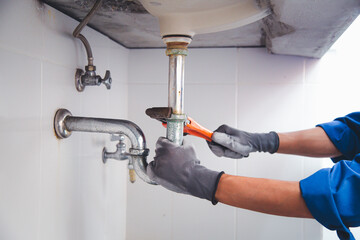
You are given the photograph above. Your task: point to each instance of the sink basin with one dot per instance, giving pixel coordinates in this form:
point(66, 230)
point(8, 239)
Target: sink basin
point(190, 17)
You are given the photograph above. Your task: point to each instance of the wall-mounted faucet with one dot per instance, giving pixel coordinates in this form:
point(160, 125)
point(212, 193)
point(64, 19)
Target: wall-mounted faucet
point(120, 154)
point(89, 78)
point(65, 124)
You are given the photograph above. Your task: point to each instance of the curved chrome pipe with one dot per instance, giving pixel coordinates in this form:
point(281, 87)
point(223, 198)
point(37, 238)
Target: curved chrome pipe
point(65, 123)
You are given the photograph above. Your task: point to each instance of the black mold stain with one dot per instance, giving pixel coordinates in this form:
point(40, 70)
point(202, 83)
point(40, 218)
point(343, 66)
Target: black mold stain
point(129, 6)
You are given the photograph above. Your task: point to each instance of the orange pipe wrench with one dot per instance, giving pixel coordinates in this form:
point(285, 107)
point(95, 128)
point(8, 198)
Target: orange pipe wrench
point(191, 126)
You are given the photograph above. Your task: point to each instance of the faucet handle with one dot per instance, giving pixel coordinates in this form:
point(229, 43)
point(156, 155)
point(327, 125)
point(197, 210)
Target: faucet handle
point(115, 137)
point(107, 80)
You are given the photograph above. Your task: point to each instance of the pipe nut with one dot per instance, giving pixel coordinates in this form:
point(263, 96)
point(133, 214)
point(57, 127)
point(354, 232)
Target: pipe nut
point(90, 68)
point(139, 152)
point(176, 51)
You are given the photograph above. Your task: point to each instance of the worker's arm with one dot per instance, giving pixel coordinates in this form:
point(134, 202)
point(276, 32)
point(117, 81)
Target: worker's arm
point(312, 143)
point(331, 196)
point(275, 197)
point(338, 139)
point(234, 143)
point(177, 169)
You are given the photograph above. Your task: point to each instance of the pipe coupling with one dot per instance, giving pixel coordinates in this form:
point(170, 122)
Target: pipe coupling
point(175, 128)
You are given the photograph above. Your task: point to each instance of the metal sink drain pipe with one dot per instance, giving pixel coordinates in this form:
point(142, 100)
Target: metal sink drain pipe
point(65, 124)
point(177, 51)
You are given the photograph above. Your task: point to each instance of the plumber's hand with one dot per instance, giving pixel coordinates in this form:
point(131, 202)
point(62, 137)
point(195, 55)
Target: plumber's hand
point(233, 143)
point(178, 169)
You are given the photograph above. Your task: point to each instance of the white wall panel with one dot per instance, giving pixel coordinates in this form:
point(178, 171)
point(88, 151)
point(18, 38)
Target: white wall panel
point(270, 99)
point(20, 141)
point(59, 159)
point(149, 208)
point(56, 189)
point(21, 25)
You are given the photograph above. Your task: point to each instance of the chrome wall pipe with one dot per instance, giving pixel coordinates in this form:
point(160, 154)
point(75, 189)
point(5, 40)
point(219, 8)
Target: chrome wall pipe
point(65, 124)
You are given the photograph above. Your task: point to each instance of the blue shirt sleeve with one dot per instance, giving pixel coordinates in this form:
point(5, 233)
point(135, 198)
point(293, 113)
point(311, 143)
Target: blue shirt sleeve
point(344, 132)
point(333, 196)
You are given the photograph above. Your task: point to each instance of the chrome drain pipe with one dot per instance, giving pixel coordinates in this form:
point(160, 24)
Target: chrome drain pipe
point(177, 51)
point(65, 124)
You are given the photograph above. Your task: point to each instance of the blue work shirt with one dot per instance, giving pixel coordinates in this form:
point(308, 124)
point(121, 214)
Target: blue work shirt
point(333, 194)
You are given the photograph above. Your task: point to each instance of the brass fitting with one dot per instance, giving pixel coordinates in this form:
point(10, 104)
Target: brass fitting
point(176, 45)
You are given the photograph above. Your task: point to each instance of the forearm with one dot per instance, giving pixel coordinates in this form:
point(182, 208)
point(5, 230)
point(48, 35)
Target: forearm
point(312, 143)
point(275, 197)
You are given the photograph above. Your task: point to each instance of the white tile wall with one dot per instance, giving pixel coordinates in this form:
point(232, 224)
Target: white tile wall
point(58, 44)
point(270, 100)
point(59, 158)
point(148, 207)
point(207, 67)
point(56, 189)
point(59, 189)
point(20, 146)
point(258, 66)
point(141, 62)
point(25, 33)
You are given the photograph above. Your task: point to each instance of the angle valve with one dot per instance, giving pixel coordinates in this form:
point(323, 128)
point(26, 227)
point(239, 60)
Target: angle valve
point(89, 78)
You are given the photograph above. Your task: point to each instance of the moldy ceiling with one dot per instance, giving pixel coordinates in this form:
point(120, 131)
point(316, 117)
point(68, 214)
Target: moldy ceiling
point(302, 28)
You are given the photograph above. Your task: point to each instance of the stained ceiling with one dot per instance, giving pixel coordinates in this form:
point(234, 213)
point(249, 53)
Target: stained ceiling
point(301, 28)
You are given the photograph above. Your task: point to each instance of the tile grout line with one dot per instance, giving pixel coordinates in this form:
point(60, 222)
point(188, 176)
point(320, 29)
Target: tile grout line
point(127, 117)
point(40, 193)
point(303, 123)
point(237, 125)
point(79, 173)
point(172, 216)
point(105, 175)
point(40, 58)
point(103, 169)
point(186, 83)
point(41, 151)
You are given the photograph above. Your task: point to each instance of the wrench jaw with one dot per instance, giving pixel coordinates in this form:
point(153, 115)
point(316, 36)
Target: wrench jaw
point(159, 113)
point(173, 121)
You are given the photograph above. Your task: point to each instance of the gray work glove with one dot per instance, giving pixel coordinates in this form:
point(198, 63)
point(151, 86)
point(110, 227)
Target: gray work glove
point(233, 143)
point(178, 169)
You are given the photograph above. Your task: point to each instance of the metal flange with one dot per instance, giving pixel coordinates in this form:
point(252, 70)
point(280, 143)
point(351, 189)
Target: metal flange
point(177, 38)
point(59, 123)
point(78, 84)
